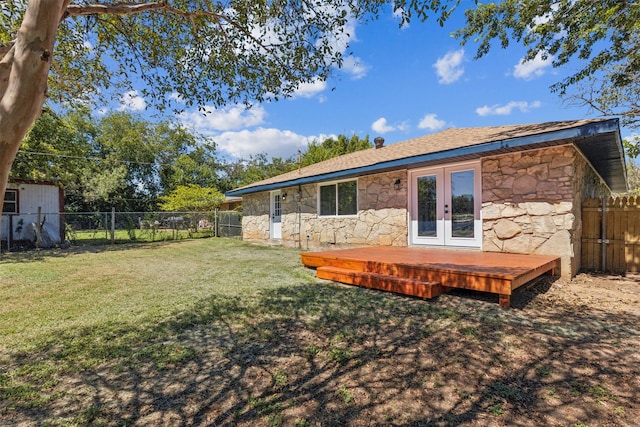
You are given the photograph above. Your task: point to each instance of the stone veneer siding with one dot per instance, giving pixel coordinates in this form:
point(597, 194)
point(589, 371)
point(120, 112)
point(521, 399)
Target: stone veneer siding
point(381, 218)
point(255, 216)
point(532, 203)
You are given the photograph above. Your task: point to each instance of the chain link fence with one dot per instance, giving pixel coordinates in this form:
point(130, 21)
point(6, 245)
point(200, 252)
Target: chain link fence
point(86, 228)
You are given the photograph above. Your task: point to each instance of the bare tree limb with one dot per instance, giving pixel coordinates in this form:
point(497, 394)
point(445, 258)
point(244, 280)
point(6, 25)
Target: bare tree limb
point(112, 9)
point(135, 8)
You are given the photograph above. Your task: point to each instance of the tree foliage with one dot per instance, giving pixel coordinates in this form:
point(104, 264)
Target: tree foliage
point(209, 53)
point(333, 147)
point(202, 53)
point(632, 149)
point(603, 36)
point(633, 178)
point(255, 168)
point(258, 167)
point(191, 198)
point(119, 161)
point(106, 189)
point(51, 151)
point(632, 146)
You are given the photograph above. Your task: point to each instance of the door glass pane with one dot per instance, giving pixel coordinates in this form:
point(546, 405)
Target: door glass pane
point(427, 207)
point(276, 207)
point(347, 198)
point(462, 204)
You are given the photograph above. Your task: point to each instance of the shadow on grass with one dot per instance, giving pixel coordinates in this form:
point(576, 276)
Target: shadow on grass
point(319, 354)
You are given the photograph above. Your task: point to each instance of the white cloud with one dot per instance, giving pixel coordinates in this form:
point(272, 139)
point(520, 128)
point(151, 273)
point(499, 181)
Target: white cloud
point(399, 14)
point(449, 68)
point(102, 111)
point(505, 110)
point(403, 126)
point(132, 101)
point(536, 67)
point(227, 127)
point(381, 126)
point(431, 122)
point(273, 142)
point(309, 90)
point(355, 67)
point(225, 119)
point(543, 19)
point(175, 96)
point(342, 37)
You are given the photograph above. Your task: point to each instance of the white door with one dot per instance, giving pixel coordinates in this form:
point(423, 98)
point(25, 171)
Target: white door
point(445, 206)
point(276, 215)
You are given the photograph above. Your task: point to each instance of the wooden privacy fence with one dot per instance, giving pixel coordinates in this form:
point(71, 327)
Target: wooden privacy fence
point(611, 234)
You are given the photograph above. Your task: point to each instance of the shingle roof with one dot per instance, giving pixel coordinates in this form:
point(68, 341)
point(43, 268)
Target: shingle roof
point(450, 144)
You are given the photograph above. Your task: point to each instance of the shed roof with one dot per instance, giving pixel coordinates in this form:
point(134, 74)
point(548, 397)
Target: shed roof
point(598, 139)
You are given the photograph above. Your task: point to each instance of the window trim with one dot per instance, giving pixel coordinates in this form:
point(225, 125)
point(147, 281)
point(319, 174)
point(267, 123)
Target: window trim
point(16, 202)
point(335, 183)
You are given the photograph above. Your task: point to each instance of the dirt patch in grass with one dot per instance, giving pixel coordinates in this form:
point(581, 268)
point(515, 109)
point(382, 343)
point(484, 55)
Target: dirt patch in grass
point(320, 354)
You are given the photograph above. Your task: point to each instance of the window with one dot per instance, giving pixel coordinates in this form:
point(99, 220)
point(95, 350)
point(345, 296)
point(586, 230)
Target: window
point(339, 199)
point(10, 205)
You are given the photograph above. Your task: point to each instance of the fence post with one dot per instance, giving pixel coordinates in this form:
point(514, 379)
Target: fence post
point(39, 227)
point(216, 213)
point(106, 225)
point(113, 225)
point(10, 233)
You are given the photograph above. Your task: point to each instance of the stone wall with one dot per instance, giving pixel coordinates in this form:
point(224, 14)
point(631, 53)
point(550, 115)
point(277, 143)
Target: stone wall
point(381, 218)
point(532, 203)
point(255, 216)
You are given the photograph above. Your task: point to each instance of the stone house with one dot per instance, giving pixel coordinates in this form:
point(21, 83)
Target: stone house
point(514, 189)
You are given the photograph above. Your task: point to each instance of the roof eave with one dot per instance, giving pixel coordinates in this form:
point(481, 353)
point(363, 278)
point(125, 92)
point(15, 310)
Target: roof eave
point(509, 144)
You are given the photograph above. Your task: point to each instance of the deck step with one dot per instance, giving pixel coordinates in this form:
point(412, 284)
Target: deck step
point(395, 284)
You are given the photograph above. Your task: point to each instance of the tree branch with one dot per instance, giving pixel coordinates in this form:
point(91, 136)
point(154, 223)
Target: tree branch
point(135, 8)
point(112, 9)
point(163, 5)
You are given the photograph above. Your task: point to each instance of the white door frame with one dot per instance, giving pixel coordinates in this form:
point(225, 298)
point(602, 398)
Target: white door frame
point(443, 229)
point(436, 236)
point(275, 215)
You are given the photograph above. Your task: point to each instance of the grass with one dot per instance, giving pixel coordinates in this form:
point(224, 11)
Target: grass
point(219, 332)
point(103, 237)
point(45, 292)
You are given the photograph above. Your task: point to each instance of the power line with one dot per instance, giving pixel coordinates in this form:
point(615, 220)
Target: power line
point(69, 156)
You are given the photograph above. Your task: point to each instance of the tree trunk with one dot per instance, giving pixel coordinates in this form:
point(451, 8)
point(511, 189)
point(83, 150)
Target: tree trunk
point(23, 78)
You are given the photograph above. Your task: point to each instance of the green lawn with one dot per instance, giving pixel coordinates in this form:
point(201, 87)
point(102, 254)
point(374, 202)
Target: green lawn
point(102, 237)
point(220, 332)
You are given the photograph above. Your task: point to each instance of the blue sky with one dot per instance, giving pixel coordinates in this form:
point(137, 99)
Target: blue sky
point(400, 83)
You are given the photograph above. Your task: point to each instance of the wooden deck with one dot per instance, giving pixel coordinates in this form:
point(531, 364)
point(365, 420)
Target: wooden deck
point(428, 272)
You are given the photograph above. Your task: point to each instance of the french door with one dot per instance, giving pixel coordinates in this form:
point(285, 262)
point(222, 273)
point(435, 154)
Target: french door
point(445, 206)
